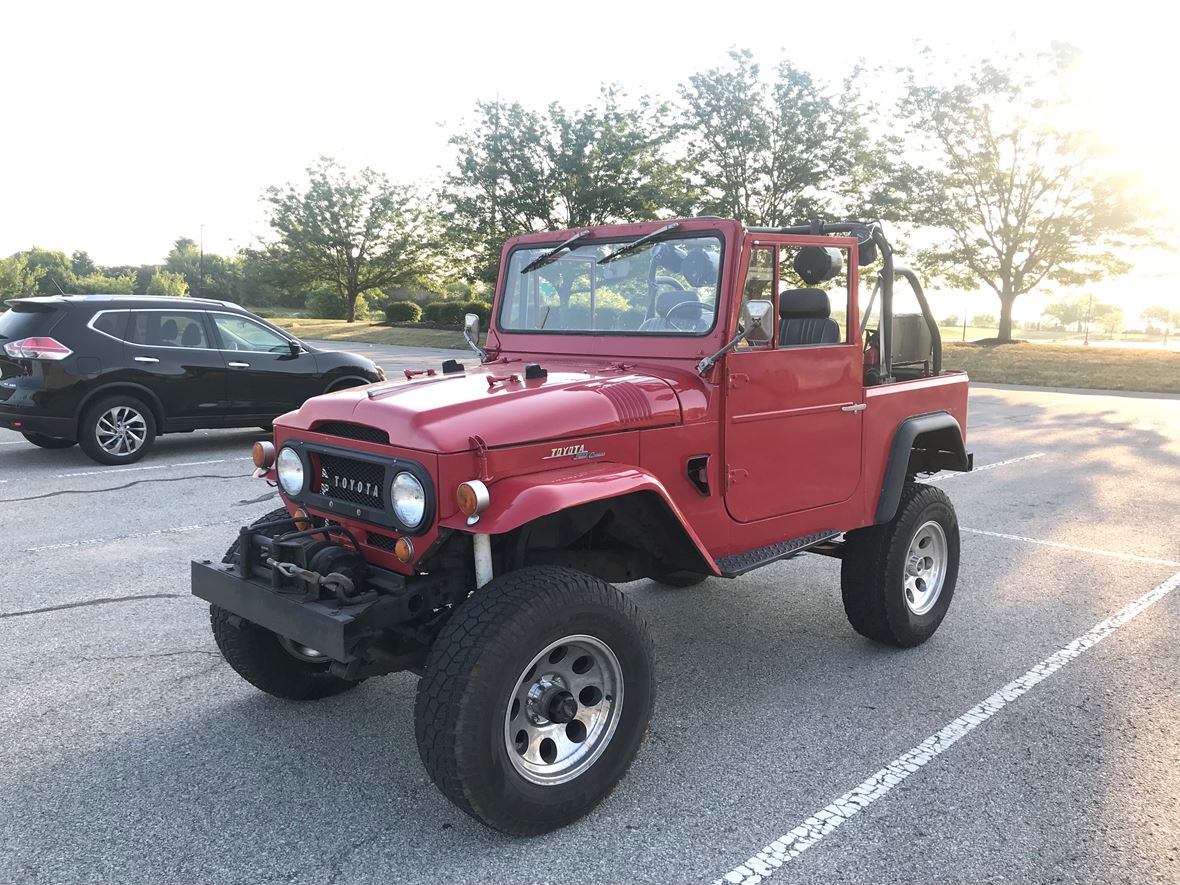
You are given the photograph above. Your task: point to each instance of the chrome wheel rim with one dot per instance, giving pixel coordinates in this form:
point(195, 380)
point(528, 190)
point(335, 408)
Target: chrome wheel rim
point(121, 431)
point(925, 568)
point(302, 652)
point(563, 709)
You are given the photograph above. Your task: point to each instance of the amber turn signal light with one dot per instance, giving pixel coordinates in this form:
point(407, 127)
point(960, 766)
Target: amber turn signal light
point(302, 520)
point(473, 497)
point(264, 454)
point(403, 549)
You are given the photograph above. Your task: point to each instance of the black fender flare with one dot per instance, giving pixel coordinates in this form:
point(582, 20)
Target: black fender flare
point(129, 387)
point(943, 438)
point(345, 381)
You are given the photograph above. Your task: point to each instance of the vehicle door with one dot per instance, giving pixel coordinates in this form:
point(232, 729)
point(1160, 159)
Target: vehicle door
point(267, 378)
point(793, 404)
point(170, 351)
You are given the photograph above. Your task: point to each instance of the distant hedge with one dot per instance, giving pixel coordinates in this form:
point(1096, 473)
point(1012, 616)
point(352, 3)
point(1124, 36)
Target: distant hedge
point(452, 312)
point(403, 312)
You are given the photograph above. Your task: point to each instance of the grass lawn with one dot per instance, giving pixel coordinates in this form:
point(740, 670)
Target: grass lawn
point(1041, 365)
point(1063, 365)
point(339, 330)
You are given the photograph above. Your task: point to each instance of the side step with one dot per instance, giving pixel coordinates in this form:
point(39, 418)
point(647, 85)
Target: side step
point(739, 563)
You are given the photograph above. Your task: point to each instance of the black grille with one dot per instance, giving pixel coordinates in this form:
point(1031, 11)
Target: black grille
point(382, 542)
point(349, 430)
point(356, 482)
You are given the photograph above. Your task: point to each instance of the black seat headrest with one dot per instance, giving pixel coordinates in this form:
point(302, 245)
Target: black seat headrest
point(192, 336)
point(669, 298)
point(804, 304)
point(168, 330)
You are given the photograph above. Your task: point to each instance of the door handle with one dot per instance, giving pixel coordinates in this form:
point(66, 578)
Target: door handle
point(146, 359)
point(238, 365)
point(855, 407)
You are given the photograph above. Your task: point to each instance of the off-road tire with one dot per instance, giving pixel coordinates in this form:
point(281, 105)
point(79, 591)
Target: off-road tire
point(475, 666)
point(872, 573)
point(49, 442)
point(680, 579)
point(88, 440)
point(257, 655)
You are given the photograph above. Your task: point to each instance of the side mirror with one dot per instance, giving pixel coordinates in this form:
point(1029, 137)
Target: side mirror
point(296, 348)
point(757, 312)
point(471, 335)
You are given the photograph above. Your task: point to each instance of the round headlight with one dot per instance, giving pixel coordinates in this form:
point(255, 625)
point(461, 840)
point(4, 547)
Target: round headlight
point(290, 471)
point(409, 500)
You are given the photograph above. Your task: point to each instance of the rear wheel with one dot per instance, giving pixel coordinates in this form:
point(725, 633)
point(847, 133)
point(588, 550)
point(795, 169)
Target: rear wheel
point(48, 442)
point(897, 579)
point(536, 697)
point(117, 429)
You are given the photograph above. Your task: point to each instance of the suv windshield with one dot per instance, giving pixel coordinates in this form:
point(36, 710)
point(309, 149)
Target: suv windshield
point(666, 287)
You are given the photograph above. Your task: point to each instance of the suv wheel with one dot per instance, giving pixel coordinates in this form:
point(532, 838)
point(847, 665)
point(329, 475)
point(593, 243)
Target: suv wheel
point(897, 579)
point(117, 429)
point(48, 442)
point(536, 697)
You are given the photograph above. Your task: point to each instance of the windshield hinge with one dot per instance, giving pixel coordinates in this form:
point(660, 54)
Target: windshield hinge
point(481, 453)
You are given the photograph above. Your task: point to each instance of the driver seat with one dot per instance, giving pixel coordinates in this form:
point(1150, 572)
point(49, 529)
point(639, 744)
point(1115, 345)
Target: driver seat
point(665, 301)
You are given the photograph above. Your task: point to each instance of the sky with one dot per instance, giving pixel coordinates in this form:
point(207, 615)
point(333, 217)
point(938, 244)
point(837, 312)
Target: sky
point(128, 125)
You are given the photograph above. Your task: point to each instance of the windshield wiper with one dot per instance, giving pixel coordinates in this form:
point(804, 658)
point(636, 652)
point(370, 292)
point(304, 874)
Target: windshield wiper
point(632, 246)
point(546, 257)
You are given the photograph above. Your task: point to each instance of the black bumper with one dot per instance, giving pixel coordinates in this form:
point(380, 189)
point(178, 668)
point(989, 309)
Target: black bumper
point(29, 421)
point(339, 631)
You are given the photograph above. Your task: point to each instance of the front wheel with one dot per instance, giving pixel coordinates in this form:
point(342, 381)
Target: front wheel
point(536, 697)
point(48, 442)
point(897, 579)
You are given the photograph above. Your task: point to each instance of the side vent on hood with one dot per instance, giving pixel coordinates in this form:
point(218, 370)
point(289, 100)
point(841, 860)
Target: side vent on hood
point(629, 400)
point(348, 430)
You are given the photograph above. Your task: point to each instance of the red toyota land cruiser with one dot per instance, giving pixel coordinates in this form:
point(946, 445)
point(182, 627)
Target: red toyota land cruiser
point(671, 400)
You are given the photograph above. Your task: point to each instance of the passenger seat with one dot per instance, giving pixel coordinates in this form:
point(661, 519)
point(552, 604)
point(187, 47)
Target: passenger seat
point(806, 318)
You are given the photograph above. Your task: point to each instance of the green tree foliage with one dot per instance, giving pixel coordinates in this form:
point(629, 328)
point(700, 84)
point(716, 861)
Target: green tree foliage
point(16, 277)
point(351, 233)
point(1068, 311)
point(210, 275)
point(1163, 318)
point(1108, 316)
point(51, 270)
point(783, 152)
point(165, 282)
point(81, 265)
point(1022, 197)
point(96, 283)
point(984, 320)
point(519, 170)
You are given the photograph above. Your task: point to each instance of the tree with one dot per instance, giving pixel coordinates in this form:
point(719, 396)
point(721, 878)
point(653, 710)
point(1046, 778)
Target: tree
point(104, 284)
point(1167, 319)
point(1068, 311)
point(1022, 197)
point(519, 171)
point(984, 320)
point(781, 153)
point(167, 283)
point(351, 233)
point(81, 265)
point(51, 270)
point(1108, 316)
point(209, 275)
point(16, 278)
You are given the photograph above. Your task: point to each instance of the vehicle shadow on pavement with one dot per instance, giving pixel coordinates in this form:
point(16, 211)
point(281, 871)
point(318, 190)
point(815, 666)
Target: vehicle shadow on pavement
point(173, 446)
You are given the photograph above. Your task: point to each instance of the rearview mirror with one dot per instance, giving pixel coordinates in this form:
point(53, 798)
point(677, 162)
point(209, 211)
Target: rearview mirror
point(757, 312)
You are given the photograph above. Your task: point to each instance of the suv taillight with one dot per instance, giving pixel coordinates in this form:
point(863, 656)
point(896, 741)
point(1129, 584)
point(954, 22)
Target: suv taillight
point(37, 349)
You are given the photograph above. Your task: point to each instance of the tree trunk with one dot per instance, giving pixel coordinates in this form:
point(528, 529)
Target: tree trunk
point(350, 306)
point(1007, 299)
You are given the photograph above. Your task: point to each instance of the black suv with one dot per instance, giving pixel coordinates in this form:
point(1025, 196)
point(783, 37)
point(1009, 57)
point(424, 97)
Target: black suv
point(110, 372)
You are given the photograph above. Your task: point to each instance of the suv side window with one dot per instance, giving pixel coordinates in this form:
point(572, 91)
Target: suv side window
point(167, 328)
point(239, 333)
point(111, 322)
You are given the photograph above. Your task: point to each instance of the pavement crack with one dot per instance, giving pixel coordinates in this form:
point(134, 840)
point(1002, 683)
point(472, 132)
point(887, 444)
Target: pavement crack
point(153, 654)
point(128, 485)
point(106, 600)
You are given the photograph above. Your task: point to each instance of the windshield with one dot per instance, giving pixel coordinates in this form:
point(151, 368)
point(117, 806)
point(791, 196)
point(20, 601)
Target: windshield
point(666, 287)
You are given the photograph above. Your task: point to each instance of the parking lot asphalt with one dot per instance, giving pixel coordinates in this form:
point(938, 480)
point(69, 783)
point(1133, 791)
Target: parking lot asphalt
point(129, 752)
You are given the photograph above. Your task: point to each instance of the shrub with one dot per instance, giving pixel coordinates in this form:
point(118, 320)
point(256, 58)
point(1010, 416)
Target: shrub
point(482, 308)
point(445, 312)
point(403, 312)
point(325, 305)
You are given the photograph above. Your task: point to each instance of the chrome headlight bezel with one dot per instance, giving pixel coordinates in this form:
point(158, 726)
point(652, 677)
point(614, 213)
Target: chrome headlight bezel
point(288, 464)
point(407, 489)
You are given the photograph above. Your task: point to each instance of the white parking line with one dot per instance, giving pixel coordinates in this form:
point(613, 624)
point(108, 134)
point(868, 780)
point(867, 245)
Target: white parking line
point(1114, 554)
point(148, 467)
point(176, 530)
point(793, 843)
point(982, 467)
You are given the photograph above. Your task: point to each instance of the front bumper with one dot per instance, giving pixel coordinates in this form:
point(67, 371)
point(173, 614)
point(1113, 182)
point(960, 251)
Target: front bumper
point(338, 631)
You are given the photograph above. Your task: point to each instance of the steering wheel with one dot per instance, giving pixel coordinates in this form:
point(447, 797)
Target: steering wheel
point(695, 305)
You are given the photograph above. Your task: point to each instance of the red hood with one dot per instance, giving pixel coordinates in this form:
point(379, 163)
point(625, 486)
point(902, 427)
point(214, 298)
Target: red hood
point(442, 413)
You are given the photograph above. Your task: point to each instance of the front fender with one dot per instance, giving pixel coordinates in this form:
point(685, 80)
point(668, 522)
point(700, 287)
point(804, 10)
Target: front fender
point(517, 500)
